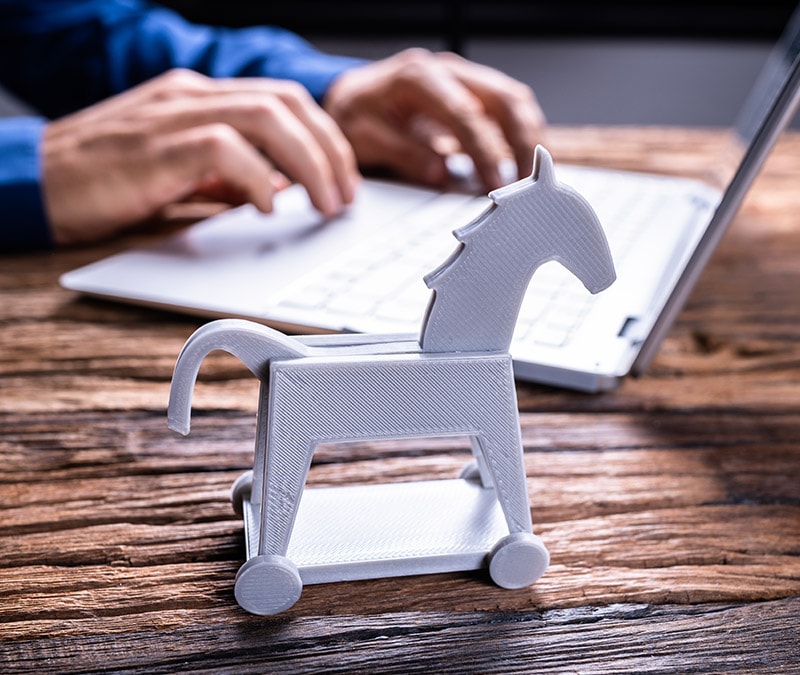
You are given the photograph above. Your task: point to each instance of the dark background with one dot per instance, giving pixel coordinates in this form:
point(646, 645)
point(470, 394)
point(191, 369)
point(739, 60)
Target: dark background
point(459, 21)
point(632, 62)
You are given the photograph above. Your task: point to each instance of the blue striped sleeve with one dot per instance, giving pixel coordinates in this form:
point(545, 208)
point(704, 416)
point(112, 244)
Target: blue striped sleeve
point(23, 223)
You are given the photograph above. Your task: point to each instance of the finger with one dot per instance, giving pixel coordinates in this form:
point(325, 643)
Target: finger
point(434, 135)
point(333, 142)
point(432, 90)
point(268, 124)
point(213, 189)
point(187, 160)
point(380, 144)
point(318, 155)
point(511, 103)
point(325, 131)
point(110, 180)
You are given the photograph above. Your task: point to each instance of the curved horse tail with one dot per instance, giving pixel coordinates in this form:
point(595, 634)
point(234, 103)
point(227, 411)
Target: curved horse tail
point(255, 345)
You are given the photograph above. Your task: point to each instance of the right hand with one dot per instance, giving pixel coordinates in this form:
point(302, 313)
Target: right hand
point(409, 111)
point(121, 161)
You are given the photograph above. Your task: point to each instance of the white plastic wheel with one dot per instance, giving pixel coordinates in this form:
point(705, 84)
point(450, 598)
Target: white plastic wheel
point(517, 560)
point(268, 584)
point(241, 488)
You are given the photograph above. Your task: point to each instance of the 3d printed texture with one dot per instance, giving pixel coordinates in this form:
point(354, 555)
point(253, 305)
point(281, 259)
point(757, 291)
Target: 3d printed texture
point(456, 379)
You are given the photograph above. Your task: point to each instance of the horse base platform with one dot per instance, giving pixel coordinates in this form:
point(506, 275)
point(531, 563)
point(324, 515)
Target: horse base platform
point(398, 529)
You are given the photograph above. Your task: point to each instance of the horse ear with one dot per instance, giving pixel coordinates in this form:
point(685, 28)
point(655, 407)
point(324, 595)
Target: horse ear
point(543, 166)
point(542, 173)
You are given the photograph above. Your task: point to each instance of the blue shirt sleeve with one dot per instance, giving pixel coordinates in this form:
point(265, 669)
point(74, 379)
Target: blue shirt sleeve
point(23, 224)
point(62, 55)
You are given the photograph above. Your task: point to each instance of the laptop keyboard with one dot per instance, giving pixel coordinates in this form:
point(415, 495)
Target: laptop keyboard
point(377, 286)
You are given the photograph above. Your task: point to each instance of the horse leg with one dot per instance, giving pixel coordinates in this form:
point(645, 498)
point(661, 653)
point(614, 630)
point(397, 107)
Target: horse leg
point(477, 469)
point(502, 452)
point(270, 583)
point(250, 484)
point(519, 558)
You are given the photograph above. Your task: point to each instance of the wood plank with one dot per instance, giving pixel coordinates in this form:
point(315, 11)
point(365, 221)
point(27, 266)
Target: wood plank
point(695, 500)
point(592, 443)
point(671, 506)
point(624, 637)
point(695, 554)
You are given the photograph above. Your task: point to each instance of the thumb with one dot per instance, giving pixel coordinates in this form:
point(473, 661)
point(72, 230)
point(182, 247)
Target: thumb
point(378, 144)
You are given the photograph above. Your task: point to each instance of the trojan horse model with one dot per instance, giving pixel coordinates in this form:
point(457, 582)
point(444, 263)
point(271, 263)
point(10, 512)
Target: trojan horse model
point(456, 379)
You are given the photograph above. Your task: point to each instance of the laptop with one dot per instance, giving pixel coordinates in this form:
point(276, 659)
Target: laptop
point(362, 271)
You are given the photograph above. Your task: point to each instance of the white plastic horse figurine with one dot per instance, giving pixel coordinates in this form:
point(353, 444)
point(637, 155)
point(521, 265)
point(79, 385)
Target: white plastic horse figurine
point(456, 379)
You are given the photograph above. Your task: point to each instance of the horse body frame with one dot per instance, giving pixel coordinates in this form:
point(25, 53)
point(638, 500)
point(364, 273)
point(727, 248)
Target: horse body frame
point(326, 400)
point(456, 380)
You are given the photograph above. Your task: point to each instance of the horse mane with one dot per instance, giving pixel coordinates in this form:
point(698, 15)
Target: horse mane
point(455, 282)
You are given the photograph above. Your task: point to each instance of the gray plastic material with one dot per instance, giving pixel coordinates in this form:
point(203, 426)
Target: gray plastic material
point(456, 380)
point(478, 291)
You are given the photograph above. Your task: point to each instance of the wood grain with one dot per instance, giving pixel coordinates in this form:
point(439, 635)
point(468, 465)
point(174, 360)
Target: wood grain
point(671, 506)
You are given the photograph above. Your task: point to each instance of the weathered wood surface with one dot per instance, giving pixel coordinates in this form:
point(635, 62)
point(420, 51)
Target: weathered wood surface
point(671, 506)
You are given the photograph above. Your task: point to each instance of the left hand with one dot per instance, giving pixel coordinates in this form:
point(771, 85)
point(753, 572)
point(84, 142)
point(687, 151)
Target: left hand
point(109, 167)
point(409, 111)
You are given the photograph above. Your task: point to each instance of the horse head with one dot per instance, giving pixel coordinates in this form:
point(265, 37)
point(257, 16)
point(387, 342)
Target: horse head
point(478, 291)
point(579, 242)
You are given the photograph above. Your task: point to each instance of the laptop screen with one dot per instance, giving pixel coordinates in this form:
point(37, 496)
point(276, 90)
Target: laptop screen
point(769, 108)
point(754, 116)
point(770, 81)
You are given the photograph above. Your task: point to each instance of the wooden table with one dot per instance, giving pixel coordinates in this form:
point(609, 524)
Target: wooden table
point(671, 506)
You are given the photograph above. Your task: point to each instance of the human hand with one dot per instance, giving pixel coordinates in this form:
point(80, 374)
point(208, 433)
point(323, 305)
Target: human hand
point(182, 134)
point(410, 111)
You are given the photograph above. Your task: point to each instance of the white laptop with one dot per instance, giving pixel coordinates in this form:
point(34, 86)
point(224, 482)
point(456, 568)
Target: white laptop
point(362, 271)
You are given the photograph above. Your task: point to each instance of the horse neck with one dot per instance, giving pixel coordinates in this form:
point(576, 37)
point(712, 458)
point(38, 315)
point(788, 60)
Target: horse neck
point(477, 299)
